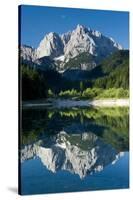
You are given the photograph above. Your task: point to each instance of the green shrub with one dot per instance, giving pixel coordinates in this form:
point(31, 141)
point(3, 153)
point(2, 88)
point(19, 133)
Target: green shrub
point(50, 93)
point(98, 93)
point(114, 93)
point(69, 93)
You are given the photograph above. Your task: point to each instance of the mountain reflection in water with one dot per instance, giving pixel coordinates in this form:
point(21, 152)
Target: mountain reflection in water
point(80, 141)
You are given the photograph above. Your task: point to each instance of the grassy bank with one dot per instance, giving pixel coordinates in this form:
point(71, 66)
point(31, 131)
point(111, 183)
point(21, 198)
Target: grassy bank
point(91, 93)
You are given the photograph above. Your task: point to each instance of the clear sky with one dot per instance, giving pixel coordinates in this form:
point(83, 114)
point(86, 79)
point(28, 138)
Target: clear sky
point(36, 21)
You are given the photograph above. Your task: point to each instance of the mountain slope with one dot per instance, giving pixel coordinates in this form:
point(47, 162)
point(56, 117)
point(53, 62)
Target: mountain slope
point(86, 40)
point(51, 45)
point(114, 69)
point(83, 61)
point(113, 72)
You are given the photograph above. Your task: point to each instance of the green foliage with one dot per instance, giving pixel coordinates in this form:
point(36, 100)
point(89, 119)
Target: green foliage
point(91, 93)
point(113, 72)
point(118, 78)
point(110, 124)
point(81, 86)
point(69, 93)
point(96, 93)
point(33, 84)
point(119, 59)
point(50, 93)
point(31, 137)
point(114, 93)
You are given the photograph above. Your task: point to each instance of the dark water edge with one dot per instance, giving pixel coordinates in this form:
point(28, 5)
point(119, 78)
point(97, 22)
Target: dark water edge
point(74, 149)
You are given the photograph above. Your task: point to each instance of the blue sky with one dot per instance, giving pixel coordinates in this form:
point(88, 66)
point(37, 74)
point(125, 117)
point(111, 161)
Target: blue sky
point(36, 21)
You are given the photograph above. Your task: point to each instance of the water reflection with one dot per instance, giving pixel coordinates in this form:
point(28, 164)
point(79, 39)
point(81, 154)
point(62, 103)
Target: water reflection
point(78, 154)
point(80, 141)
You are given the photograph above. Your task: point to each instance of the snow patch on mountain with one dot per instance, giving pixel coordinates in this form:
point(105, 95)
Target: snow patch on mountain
point(60, 58)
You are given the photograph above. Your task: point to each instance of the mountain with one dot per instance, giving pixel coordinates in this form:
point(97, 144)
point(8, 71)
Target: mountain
point(117, 60)
point(113, 72)
point(28, 53)
point(86, 40)
point(82, 58)
point(51, 45)
point(83, 61)
point(114, 69)
point(62, 49)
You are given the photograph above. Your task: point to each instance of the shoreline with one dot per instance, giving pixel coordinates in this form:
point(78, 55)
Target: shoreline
point(67, 103)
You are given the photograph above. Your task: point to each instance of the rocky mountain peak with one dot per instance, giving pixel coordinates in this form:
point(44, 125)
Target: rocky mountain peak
point(67, 46)
point(28, 53)
point(96, 33)
point(81, 29)
point(51, 45)
point(66, 37)
point(51, 36)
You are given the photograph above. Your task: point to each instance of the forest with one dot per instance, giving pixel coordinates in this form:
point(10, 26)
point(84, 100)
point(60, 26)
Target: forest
point(109, 79)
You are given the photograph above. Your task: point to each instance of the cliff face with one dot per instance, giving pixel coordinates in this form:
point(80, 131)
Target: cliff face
point(63, 48)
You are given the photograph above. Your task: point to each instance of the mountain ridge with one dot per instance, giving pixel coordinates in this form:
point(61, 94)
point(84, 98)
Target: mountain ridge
point(62, 48)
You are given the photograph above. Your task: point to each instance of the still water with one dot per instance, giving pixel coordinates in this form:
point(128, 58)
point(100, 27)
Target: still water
point(79, 149)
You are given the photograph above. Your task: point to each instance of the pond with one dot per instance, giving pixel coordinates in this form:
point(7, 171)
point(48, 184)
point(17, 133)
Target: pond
point(74, 149)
